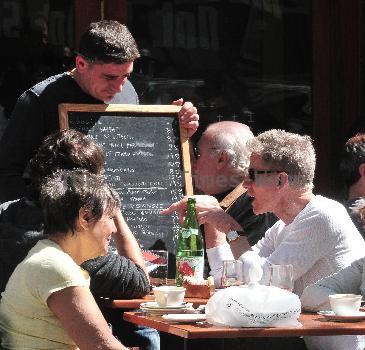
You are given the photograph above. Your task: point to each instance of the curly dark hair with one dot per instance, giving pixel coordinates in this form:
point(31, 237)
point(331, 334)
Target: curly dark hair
point(352, 157)
point(108, 41)
point(66, 149)
point(64, 193)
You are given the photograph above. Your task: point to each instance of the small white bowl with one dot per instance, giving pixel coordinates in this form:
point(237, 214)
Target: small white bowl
point(345, 304)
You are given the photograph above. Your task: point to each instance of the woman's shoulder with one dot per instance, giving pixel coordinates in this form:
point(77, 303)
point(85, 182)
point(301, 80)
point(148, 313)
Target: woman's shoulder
point(47, 255)
point(46, 258)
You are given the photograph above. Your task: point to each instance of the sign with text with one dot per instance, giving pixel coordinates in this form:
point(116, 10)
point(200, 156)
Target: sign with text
point(147, 162)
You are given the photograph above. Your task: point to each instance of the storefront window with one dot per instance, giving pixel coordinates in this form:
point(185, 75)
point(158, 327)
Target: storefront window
point(36, 38)
point(244, 60)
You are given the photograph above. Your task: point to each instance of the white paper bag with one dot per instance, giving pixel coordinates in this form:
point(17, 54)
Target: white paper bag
point(253, 306)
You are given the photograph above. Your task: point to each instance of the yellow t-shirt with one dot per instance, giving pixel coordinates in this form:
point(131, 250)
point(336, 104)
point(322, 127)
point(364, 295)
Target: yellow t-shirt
point(26, 322)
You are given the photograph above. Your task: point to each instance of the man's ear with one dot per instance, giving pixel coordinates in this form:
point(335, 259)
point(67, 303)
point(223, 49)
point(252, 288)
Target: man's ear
point(223, 159)
point(81, 63)
point(283, 180)
point(83, 220)
point(362, 170)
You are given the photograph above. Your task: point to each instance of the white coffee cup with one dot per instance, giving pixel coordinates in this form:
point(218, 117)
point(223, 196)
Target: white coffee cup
point(345, 304)
point(167, 296)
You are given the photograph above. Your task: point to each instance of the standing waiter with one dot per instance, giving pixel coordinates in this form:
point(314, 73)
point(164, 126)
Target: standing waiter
point(107, 51)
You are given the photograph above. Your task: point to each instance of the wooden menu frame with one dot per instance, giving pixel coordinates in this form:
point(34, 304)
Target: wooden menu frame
point(65, 108)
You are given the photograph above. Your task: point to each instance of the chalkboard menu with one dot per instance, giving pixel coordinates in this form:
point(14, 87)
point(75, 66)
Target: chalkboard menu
point(147, 162)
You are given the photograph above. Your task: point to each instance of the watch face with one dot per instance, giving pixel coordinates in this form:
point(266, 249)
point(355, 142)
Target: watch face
point(232, 235)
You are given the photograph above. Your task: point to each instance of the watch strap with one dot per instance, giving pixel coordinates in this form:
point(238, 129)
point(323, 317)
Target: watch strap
point(235, 234)
point(239, 246)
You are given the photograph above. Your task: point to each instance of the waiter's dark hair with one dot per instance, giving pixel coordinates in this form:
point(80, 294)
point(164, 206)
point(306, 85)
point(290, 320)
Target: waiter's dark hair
point(108, 41)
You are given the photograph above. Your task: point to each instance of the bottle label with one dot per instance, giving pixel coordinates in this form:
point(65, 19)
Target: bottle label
point(187, 232)
point(189, 266)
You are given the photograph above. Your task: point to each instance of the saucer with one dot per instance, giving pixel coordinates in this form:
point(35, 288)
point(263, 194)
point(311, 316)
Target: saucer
point(154, 305)
point(157, 310)
point(331, 316)
point(184, 317)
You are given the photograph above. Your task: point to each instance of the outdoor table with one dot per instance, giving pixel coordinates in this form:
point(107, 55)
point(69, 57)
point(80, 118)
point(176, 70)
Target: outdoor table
point(311, 325)
point(135, 303)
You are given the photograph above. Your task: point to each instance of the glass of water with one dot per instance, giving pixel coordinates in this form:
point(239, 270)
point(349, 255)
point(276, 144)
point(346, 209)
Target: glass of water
point(156, 262)
point(232, 274)
point(282, 276)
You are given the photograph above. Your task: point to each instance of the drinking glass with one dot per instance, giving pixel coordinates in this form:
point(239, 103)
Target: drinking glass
point(282, 276)
point(156, 264)
point(232, 274)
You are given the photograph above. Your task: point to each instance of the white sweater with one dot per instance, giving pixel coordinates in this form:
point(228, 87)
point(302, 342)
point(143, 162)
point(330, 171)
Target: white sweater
point(320, 241)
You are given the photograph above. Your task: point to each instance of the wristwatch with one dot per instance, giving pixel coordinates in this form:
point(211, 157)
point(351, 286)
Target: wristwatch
point(232, 236)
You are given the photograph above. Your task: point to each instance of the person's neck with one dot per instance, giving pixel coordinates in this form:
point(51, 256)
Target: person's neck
point(71, 245)
point(290, 206)
point(75, 75)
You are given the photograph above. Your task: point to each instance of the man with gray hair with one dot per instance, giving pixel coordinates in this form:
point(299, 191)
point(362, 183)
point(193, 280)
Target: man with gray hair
point(221, 157)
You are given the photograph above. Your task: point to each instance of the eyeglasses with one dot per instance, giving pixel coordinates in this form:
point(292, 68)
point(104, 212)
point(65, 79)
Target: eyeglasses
point(197, 153)
point(252, 173)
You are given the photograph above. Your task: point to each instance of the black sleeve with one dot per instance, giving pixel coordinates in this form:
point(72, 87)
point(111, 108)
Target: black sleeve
point(20, 229)
point(22, 137)
point(115, 276)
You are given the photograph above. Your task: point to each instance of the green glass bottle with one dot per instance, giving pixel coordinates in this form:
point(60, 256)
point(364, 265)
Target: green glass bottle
point(190, 247)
